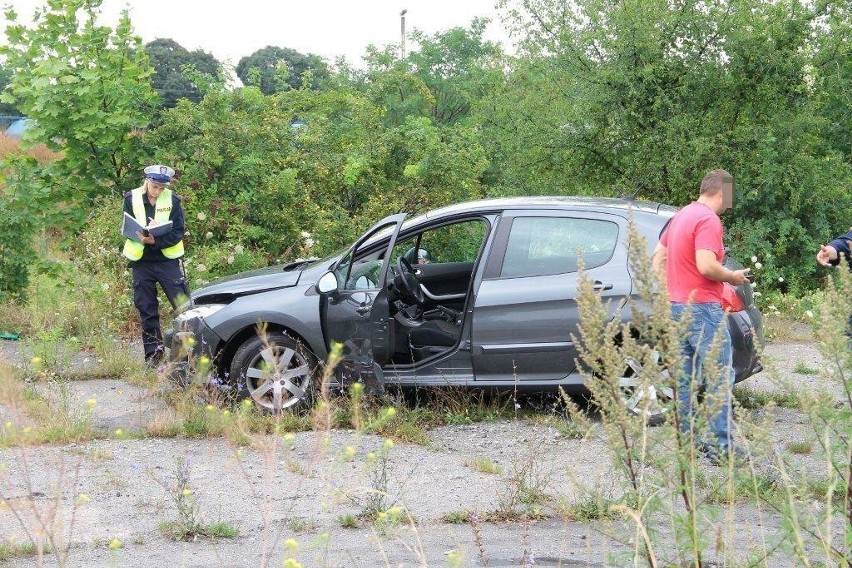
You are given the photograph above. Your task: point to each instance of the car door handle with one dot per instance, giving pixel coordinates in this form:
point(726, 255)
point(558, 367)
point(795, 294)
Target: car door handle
point(362, 310)
point(598, 285)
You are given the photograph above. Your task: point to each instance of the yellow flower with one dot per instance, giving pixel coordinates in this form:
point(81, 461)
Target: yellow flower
point(187, 491)
point(119, 432)
point(204, 361)
point(28, 429)
point(292, 563)
point(382, 515)
point(390, 412)
point(388, 443)
point(115, 544)
point(226, 412)
point(289, 437)
point(291, 544)
point(395, 511)
point(349, 452)
point(357, 388)
point(91, 402)
point(83, 499)
point(210, 408)
point(9, 425)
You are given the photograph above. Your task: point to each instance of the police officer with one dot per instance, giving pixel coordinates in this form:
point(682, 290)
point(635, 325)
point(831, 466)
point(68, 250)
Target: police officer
point(155, 259)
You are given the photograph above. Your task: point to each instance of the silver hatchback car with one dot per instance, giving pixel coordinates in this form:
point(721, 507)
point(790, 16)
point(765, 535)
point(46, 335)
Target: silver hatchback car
point(479, 294)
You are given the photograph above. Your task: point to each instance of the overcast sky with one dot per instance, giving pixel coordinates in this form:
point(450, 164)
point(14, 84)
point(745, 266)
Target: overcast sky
point(329, 28)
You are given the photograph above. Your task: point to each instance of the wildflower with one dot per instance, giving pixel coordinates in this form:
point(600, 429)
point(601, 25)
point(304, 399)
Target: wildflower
point(809, 313)
point(91, 402)
point(239, 249)
point(226, 412)
point(306, 235)
point(9, 425)
point(119, 432)
point(292, 563)
point(291, 544)
point(36, 361)
point(28, 429)
point(230, 259)
point(780, 279)
point(104, 287)
point(200, 268)
point(758, 265)
point(395, 511)
point(82, 499)
point(201, 216)
point(753, 259)
point(388, 443)
point(357, 388)
point(349, 453)
point(757, 293)
point(382, 515)
point(208, 235)
point(210, 408)
point(186, 492)
point(203, 361)
point(390, 412)
point(115, 544)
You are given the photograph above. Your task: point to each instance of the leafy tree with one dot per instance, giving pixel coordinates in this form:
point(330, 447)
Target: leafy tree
point(274, 69)
point(643, 97)
point(88, 88)
point(170, 61)
point(7, 108)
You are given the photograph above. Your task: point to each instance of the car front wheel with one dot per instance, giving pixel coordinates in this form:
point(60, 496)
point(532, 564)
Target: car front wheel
point(651, 400)
point(276, 372)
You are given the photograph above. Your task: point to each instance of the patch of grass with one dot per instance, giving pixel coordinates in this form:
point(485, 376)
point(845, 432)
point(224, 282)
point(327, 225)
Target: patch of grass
point(221, 530)
point(175, 530)
point(751, 399)
point(565, 426)
point(591, 508)
point(484, 465)
point(456, 517)
point(347, 521)
point(299, 525)
point(817, 489)
point(744, 487)
point(9, 550)
point(802, 369)
point(799, 447)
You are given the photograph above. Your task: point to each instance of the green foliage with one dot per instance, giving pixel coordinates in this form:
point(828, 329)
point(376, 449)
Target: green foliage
point(274, 69)
point(22, 202)
point(87, 86)
point(171, 80)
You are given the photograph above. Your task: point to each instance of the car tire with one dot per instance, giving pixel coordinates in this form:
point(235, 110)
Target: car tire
point(276, 372)
point(636, 398)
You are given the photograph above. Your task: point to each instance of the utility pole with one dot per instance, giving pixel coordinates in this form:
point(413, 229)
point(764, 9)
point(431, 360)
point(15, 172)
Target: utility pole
point(402, 32)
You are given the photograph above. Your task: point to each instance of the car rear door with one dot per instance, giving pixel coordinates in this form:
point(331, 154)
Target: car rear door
point(357, 313)
point(525, 310)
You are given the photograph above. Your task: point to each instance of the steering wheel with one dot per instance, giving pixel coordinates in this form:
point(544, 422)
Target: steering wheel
point(407, 282)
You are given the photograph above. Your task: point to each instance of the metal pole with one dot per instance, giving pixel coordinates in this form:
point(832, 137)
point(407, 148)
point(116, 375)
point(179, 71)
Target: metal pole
point(402, 32)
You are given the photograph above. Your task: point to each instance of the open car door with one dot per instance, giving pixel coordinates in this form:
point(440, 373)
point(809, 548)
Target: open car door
point(355, 306)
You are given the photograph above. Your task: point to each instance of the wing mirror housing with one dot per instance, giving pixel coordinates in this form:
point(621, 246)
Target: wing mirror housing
point(327, 283)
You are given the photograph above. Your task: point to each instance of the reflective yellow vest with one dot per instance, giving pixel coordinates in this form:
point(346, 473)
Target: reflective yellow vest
point(162, 210)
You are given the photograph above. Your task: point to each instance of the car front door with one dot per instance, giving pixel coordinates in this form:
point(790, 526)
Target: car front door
point(356, 312)
point(526, 311)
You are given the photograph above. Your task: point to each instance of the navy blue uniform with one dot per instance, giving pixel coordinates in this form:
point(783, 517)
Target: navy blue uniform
point(154, 268)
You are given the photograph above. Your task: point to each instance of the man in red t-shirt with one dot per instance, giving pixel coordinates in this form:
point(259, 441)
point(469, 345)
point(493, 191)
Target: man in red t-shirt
point(691, 254)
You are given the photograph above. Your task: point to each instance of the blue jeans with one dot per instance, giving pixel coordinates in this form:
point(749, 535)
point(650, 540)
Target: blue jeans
point(706, 319)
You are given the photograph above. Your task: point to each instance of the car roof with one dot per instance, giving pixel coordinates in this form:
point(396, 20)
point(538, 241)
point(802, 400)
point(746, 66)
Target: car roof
point(546, 202)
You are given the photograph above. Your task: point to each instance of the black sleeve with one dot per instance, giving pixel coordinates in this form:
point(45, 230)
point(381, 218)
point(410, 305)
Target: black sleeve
point(128, 204)
point(842, 245)
point(176, 234)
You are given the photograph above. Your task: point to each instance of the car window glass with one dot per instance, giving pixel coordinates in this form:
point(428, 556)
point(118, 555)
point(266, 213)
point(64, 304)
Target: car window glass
point(553, 245)
point(459, 242)
point(364, 272)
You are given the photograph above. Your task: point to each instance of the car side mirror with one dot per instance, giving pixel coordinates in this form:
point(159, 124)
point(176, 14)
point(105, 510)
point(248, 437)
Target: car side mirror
point(327, 283)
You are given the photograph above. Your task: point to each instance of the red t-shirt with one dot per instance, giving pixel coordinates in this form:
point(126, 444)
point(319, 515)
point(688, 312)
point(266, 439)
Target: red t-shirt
point(694, 227)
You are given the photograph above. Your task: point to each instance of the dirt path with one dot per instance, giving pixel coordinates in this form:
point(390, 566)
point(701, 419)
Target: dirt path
point(303, 490)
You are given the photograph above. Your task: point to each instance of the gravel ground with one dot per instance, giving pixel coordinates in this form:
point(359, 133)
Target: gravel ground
point(271, 493)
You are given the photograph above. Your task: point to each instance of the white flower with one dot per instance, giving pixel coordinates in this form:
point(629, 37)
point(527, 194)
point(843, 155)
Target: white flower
point(780, 279)
point(758, 265)
point(809, 313)
point(209, 235)
point(200, 267)
point(105, 286)
point(201, 216)
point(754, 259)
point(306, 235)
point(309, 242)
point(231, 259)
point(757, 293)
point(238, 249)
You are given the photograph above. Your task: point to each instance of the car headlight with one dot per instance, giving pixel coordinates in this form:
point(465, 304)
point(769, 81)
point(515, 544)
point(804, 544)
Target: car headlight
point(199, 312)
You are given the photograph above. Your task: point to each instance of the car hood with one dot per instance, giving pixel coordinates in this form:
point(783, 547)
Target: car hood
point(251, 282)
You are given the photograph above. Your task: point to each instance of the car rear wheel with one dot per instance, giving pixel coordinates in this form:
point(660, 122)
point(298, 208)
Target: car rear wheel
point(653, 401)
point(276, 372)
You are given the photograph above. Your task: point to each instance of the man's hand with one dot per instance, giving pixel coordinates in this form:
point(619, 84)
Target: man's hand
point(739, 277)
point(826, 254)
point(149, 240)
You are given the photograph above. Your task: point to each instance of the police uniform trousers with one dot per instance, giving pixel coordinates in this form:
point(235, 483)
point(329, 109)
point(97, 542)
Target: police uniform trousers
point(146, 275)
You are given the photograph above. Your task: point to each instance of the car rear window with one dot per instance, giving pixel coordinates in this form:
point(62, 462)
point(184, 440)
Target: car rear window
point(538, 246)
